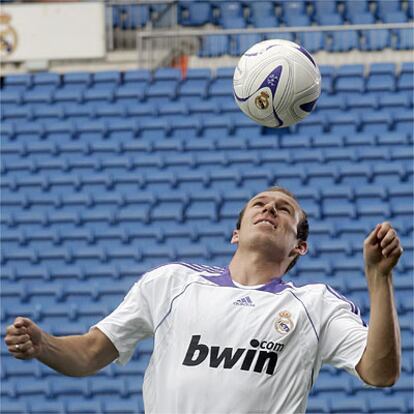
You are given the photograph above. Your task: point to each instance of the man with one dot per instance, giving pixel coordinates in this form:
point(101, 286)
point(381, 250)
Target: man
point(239, 340)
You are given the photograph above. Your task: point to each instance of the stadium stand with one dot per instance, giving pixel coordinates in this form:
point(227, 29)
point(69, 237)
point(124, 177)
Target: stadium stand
point(107, 174)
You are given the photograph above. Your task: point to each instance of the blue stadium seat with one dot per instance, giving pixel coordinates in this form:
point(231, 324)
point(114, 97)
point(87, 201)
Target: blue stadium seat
point(394, 17)
point(360, 103)
point(84, 407)
point(313, 42)
point(354, 8)
point(214, 45)
point(46, 81)
point(331, 19)
point(52, 407)
point(298, 20)
point(405, 79)
point(38, 96)
point(106, 79)
point(195, 13)
point(344, 123)
point(404, 121)
point(14, 407)
point(134, 16)
point(244, 42)
point(385, 7)
point(344, 41)
point(233, 23)
point(386, 404)
point(68, 95)
point(348, 405)
point(18, 83)
point(375, 121)
point(361, 18)
point(293, 7)
point(393, 102)
point(269, 21)
point(138, 76)
point(405, 39)
point(130, 406)
point(377, 39)
point(324, 7)
point(77, 80)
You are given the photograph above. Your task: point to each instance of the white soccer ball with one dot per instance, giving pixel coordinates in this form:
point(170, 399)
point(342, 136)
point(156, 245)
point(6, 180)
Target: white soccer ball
point(276, 83)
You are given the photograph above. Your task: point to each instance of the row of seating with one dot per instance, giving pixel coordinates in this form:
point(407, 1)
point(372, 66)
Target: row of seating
point(204, 160)
point(333, 148)
point(385, 103)
point(348, 173)
point(315, 41)
point(104, 79)
point(265, 13)
point(332, 125)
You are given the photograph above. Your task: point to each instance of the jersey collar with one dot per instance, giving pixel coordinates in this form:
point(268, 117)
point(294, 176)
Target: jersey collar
point(276, 285)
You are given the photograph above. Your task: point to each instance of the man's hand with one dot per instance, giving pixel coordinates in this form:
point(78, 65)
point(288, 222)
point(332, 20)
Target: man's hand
point(23, 339)
point(382, 249)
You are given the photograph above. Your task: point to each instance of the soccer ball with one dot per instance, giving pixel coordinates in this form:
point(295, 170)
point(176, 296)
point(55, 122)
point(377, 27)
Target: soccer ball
point(276, 83)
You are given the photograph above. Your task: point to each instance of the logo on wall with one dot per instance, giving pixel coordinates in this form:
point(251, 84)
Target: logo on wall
point(8, 36)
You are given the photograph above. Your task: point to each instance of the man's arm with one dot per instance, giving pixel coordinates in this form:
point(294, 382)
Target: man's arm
point(380, 364)
point(77, 355)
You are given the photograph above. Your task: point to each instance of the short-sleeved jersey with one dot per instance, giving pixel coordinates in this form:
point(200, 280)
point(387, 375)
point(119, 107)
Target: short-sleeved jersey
point(219, 348)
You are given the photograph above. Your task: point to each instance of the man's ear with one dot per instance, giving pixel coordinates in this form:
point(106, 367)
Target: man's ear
point(235, 237)
point(301, 248)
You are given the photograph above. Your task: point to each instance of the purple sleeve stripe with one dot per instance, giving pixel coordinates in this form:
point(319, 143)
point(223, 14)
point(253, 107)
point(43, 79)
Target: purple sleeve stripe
point(354, 308)
point(307, 314)
point(200, 268)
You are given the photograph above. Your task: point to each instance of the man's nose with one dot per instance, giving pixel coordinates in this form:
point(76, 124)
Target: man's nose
point(270, 207)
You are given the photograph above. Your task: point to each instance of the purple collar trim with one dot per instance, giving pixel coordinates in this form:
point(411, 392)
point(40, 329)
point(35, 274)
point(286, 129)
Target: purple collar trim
point(224, 279)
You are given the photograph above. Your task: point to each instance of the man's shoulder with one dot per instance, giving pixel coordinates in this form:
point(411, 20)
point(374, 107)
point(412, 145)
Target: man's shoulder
point(181, 270)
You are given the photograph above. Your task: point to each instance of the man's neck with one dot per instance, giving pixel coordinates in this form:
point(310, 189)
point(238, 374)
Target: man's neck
point(250, 268)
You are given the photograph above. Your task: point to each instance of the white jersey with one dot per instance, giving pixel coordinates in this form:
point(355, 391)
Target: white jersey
point(219, 348)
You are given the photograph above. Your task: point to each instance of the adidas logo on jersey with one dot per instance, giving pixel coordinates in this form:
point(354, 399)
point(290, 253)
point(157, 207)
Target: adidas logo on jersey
point(254, 359)
point(246, 301)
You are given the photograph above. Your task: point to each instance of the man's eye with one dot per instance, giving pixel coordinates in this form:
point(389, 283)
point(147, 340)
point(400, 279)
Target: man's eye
point(258, 203)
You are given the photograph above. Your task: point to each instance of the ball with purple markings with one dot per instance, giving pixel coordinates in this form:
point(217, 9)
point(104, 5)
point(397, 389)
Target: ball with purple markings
point(276, 83)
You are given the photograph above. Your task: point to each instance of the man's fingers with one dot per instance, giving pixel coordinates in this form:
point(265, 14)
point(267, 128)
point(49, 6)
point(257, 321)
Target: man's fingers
point(16, 339)
point(384, 228)
point(373, 236)
point(12, 330)
point(21, 322)
point(391, 248)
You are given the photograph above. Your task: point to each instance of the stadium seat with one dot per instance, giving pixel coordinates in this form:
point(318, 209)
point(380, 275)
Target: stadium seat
point(377, 39)
point(344, 41)
point(331, 19)
point(46, 81)
point(348, 405)
point(361, 18)
point(106, 79)
point(385, 7)
point(312, 42)
point(18, 83)
point(244, 42)
point(354, 8)
point(404, 39)
point(195, 13)
point(14, 407)
point(77, 80)
point(214, 45)
point(84, 407)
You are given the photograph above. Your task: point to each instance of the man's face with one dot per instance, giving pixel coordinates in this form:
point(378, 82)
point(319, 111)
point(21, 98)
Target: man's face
point(270, 224)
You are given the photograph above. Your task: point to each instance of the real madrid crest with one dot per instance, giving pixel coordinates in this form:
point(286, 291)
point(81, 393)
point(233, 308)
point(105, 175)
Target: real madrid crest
point(284, 323)
point(262, 101)
point(8, 36)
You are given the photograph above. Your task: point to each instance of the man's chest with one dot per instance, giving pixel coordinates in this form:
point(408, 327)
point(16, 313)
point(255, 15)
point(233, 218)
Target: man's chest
point(235, 328)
